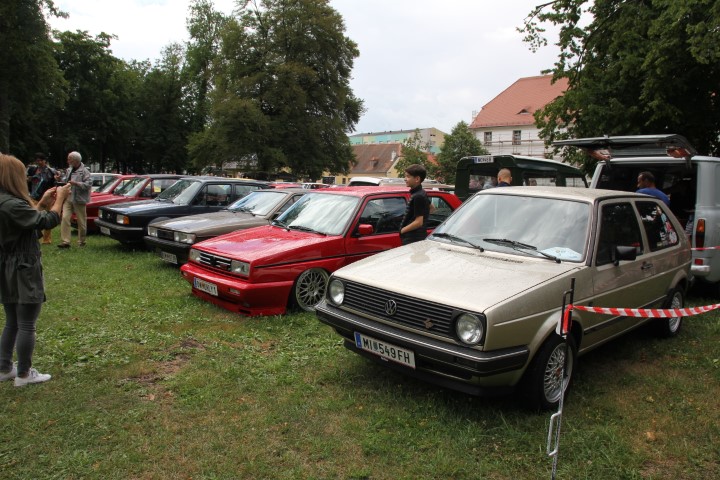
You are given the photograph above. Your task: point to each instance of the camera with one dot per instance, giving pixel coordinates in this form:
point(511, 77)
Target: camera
point(60, 184)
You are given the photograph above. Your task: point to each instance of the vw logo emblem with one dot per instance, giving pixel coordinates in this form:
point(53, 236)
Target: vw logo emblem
point(390, 307)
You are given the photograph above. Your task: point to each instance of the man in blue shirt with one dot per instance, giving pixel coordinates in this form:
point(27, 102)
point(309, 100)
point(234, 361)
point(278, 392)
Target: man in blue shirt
point(646, 185)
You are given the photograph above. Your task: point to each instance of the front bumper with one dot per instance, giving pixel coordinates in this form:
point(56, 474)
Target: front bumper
point(442, 363)
point(120, 233)
point(179, 250)
point(237, 295)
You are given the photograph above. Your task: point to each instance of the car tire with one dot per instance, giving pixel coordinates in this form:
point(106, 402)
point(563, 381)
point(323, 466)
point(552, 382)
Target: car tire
point(669, 327)
point(542, 386)
point(310, 288)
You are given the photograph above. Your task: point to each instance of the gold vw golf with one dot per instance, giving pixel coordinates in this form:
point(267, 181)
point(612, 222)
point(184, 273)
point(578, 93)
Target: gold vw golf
point(475, 307)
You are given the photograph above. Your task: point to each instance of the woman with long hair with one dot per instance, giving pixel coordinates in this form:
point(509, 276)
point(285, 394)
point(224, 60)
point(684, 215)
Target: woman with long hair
point(22, 289)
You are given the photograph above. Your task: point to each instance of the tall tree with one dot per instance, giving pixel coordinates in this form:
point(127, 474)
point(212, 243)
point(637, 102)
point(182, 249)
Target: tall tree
point(164, 114)
point(639, 67)
point(415, 151)
point(205, 27)
point(30, 82)
point(88, 121)
point(460, 143)
point(283, 90)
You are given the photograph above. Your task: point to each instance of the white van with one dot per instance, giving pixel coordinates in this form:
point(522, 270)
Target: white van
point(690, 180)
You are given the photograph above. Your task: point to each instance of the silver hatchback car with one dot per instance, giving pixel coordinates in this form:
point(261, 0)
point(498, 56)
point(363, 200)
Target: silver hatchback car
point(476, 306)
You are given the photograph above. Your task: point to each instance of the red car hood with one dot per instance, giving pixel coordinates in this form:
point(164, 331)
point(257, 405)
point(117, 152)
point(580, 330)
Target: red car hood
point(108, 199)
point(268, 245)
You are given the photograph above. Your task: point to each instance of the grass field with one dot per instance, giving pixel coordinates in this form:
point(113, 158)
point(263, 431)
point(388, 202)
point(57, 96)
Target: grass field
point(152, 383)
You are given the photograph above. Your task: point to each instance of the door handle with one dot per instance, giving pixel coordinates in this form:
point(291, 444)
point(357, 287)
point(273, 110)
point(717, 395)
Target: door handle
point(646, 266)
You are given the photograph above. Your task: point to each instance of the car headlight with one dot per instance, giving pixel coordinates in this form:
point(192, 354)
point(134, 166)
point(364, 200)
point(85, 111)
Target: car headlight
point(336, 291)
point(469, 328)
point(183, 237)
point(122, 220)
point(194, 255)
point(152, 231)
point(240, 268)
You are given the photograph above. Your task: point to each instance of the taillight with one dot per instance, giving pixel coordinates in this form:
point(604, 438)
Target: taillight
point(700, 233)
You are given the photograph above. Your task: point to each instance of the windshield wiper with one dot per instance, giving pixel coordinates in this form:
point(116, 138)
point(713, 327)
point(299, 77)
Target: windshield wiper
point(303, 228)
point(455, 238)
point(278, 223)
point(514, 244)
point(243, 210)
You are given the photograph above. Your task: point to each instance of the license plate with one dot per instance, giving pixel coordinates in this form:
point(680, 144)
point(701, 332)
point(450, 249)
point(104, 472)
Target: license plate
point(170, 258)
point(206, 287)
point(385, 350)
point(105, 230)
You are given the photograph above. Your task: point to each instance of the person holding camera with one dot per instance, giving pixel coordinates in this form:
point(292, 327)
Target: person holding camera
point(22, 289)
point(78, 176)
point(41, 178)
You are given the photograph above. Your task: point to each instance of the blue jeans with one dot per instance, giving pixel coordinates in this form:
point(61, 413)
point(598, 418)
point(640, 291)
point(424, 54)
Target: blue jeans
point(19, 334)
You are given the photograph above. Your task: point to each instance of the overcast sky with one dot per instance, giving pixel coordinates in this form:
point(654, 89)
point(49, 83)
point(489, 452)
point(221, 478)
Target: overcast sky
point(423, 63)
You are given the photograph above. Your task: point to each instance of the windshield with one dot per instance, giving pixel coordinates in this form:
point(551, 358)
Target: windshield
point(258, 203)
point(322, 213)
point(181, 192)
point(132, 187)
point(107, 185)
point(528, 225)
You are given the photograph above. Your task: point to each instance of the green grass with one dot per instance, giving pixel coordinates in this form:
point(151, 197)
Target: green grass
point(152, 383)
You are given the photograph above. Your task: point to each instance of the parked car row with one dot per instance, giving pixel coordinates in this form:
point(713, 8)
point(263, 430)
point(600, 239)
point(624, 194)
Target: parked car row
point(476, 307)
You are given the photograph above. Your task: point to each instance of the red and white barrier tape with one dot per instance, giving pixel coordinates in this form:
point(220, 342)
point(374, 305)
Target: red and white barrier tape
point(647, 312)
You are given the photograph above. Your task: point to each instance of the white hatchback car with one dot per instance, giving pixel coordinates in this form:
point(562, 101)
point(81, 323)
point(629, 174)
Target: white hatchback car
point(475, 307)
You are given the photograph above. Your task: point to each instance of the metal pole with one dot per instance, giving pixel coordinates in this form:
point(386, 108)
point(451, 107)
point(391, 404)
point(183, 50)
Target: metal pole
point(553, 441)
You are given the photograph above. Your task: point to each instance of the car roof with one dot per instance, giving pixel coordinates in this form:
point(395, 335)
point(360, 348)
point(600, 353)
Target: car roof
point(160, 175)
point(360, 191)
point(564, 193)
point(211, 178)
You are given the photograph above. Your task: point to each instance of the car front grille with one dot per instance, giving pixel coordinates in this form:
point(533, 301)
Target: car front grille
point(409, 311)
point(107, 215)
point(214, 261)
point(165, 235)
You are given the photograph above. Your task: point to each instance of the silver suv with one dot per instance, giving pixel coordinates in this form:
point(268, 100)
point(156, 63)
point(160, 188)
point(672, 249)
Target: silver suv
point(476, 306)
point(689, 179)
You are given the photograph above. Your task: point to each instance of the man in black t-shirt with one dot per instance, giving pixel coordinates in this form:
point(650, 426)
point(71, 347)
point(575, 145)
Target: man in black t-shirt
point(414, 224)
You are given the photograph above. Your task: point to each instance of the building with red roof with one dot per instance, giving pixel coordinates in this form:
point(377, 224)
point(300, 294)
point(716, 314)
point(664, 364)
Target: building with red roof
point(506, 124)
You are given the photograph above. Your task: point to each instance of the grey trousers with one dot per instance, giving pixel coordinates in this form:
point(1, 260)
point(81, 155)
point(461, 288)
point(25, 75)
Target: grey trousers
point(18, 334)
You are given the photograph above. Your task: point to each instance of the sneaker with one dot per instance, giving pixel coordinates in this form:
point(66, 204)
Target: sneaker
point(33, 377)
point(63, 245)
point(9, 375)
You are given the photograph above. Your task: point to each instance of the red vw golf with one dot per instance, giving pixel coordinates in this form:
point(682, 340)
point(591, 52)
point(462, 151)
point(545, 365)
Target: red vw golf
point(265, 270)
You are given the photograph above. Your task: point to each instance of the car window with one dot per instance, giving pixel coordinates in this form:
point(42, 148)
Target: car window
point(161, 184)
point(439, 211)
point(618, 227)
point(214, 196)
point(658, 227)
point(182, 192)
point(239, 191)
point(384, 214)
point(324, 213)
point(534, 180)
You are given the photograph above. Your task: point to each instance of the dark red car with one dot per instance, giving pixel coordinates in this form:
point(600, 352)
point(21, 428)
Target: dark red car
point(141, 187)
point(264, 270)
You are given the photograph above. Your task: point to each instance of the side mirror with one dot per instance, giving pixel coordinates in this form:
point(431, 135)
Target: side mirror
point(365, 229)
point(624, 253)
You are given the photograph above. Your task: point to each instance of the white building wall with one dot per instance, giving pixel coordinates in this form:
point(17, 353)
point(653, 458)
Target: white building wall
point(504, 142)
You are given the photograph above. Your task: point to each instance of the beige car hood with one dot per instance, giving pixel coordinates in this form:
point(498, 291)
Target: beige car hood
point(461, 277)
